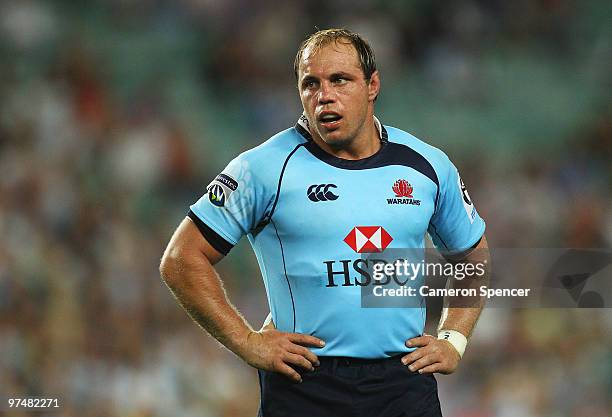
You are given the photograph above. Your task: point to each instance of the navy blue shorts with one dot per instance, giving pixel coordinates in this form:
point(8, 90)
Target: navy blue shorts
point(348, 387)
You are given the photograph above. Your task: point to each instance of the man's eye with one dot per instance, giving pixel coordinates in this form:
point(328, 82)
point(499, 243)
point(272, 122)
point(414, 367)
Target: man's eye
point(309, 84)
point(340, 80)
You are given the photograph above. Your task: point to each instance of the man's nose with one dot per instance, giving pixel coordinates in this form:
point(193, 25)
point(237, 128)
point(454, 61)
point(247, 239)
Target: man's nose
point(326, 93)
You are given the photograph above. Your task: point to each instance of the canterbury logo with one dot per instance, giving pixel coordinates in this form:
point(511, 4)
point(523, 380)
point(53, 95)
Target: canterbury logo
point(321, 192)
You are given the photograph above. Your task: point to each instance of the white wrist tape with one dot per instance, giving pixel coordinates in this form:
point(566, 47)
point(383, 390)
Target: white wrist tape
point(455, 338)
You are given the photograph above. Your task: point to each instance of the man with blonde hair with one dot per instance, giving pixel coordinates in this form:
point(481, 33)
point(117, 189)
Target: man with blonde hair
point(311, 200)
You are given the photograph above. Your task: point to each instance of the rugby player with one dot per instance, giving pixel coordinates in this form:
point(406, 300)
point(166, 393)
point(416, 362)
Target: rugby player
point(311, 200)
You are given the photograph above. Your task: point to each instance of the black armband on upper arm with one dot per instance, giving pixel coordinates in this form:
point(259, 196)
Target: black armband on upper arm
point(214, 238)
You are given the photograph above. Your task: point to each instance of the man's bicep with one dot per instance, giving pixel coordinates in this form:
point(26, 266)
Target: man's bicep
point(188, 239)
point(479, 253)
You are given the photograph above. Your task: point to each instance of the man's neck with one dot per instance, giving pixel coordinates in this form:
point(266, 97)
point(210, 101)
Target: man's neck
point(366, 144)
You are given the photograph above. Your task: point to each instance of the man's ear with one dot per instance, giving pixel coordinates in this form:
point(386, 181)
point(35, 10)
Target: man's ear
point(373, 86)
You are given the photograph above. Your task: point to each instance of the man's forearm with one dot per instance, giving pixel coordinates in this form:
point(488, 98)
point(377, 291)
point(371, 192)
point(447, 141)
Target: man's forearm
point(462, 313)
point(198, 288)
point(460, 319)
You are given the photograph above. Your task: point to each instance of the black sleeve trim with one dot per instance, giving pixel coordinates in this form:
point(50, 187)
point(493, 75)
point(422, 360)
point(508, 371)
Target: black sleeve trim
point(456, 257)
point(215, 240)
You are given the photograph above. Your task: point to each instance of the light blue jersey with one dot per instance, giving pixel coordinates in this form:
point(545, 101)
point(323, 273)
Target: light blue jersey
point(310, 215)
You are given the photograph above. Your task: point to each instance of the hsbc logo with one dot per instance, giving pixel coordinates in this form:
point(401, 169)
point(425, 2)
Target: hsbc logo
point(362, 239)
point(368, 239)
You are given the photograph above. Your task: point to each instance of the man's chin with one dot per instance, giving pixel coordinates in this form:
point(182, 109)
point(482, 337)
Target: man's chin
point(335, 139)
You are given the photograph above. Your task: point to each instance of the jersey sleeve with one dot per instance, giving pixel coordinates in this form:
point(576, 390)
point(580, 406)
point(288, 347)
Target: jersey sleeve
point(234, 204)
point(455, 225)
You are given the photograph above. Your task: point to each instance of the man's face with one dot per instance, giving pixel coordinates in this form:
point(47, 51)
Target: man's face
point(336, 97)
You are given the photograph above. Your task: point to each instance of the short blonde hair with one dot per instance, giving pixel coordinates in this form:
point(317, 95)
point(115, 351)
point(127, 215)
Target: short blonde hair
point(321, 38)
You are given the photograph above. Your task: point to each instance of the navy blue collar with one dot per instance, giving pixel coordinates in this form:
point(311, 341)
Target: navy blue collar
point(302, 126)
point(303, 123)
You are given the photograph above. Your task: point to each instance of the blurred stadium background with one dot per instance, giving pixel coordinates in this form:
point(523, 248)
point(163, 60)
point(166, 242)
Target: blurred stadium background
point(115, 115)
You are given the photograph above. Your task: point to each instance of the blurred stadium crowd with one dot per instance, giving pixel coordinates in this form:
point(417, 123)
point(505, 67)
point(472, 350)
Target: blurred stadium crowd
point(115, 115)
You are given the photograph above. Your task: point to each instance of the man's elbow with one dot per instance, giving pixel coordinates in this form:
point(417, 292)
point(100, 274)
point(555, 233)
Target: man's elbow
point(169, 266)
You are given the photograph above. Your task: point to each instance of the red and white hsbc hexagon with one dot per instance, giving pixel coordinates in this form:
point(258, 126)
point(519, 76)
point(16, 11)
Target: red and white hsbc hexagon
point(368, 239)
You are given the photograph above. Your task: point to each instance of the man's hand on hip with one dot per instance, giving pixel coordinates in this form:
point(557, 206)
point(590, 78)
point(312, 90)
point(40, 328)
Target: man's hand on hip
point(271, 350)
point(432, 355)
